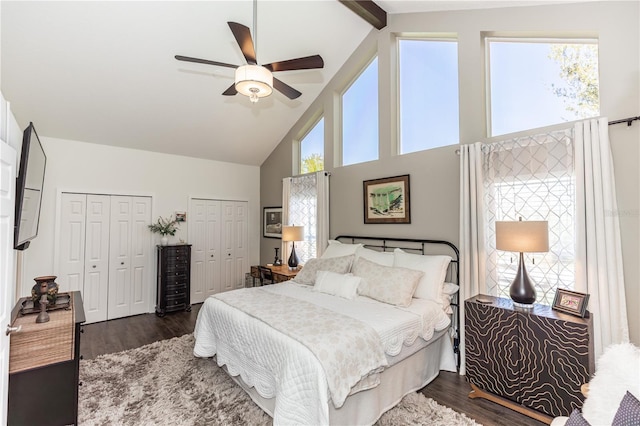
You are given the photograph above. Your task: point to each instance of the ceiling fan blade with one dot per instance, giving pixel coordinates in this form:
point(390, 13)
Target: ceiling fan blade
point(243, 37)
point(204, 61)
point(285, 89)
point(230, 91)
point(306, 63)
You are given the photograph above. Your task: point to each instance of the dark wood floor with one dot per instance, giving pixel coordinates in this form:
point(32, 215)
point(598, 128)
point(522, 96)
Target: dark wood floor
point(448, 389)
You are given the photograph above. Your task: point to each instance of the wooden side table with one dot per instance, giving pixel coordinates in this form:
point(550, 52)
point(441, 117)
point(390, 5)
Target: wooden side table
point(533, 361)
point(280, 273)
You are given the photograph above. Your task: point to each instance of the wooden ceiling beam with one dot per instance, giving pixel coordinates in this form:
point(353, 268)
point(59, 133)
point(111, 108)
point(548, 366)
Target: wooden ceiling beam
point(369, 11)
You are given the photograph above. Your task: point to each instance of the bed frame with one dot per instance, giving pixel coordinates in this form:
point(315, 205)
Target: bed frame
point(423, 247)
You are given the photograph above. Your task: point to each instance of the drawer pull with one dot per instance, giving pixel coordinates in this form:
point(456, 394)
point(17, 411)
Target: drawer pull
point(13, 329)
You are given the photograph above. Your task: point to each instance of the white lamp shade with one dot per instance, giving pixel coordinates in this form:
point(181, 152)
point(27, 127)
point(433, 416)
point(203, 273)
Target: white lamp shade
point(293, 233)
point(523, 236)
point(254, 80)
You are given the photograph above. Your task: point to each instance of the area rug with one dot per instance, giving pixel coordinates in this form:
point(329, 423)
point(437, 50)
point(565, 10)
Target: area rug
point(163, 384)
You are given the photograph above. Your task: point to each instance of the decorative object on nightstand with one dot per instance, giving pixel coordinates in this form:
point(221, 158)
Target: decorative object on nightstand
point(164, 227)
point(524, 237)
point(293, 233)
point(277, 261)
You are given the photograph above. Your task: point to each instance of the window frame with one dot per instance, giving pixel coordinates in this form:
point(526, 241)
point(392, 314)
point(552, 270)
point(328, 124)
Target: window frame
point(488, 37)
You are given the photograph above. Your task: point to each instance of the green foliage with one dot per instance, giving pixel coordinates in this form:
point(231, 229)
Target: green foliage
point(163, 226)
point(579, 69)
point(312, 163)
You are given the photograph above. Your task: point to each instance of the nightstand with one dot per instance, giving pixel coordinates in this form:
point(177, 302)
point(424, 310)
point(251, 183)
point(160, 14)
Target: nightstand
point(533, 360)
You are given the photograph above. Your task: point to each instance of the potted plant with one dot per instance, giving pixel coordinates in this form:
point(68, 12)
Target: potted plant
point(164, 227)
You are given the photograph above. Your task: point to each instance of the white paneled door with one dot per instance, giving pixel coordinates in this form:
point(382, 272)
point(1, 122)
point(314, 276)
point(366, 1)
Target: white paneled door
point(104, 247)
point(7, 270)
point(218, 234)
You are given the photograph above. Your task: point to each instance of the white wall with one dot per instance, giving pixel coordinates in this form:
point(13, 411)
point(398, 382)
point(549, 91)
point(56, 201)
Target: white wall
point(169, 179)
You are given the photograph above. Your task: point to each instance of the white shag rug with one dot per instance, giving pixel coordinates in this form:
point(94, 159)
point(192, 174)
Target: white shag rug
point(164, 384)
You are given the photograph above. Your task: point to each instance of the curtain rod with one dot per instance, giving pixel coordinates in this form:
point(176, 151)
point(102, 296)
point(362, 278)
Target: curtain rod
point(629, 121)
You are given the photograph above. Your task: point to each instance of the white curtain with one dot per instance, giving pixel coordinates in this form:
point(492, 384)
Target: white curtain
point(305, 201)
point(472, 243)
point(599, 270)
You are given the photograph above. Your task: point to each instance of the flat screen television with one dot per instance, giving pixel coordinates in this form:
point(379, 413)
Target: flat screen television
point(29, 184)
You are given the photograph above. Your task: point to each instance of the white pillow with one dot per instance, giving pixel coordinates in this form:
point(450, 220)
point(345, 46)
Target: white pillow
point(337, 249)
point(307, 274)
point(434, 268)
point(342, 285)
point(386, 283)
point(385, 258)
point(448, 290)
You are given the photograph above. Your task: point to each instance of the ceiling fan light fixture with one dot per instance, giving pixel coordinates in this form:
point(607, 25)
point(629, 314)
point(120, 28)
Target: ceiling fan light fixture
point(254, 81)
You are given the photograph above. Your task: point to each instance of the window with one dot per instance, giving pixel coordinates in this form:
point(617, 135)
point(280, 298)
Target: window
point(360, 118)
point(428, 94)
point(540, 82)
point(312, 149)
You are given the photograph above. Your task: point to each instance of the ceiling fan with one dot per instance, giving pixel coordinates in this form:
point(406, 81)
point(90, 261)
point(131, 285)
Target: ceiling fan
point(253, 80)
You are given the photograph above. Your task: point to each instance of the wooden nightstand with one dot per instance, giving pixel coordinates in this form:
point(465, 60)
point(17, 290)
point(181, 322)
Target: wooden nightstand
point(280, 273)
point(530, 360)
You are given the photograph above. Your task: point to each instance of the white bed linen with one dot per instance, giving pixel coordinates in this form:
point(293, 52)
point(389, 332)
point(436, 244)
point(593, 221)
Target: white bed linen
point(279, 366)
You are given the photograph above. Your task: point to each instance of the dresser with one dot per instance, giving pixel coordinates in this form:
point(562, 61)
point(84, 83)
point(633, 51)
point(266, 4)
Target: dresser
point(174, 279)
point(533, 361)
point(44, 365)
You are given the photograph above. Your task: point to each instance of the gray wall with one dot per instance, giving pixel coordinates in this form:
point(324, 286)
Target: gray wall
point(434, 173)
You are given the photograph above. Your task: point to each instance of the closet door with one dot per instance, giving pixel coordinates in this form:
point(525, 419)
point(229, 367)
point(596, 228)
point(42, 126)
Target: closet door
point(228, 272)
point(120, 258)
point(197, 238)
point(95, 289)
point(71, 269)
point(240, 242)
point(212, 282)
point(140, 257)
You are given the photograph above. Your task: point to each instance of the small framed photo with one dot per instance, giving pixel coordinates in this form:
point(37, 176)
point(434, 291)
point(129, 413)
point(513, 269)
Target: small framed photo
point(181, 216)
point(386, 200)
point(571, 302)
point(272, 222)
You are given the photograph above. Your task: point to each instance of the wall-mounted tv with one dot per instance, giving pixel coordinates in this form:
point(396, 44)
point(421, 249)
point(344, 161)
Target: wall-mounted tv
point(29, 184)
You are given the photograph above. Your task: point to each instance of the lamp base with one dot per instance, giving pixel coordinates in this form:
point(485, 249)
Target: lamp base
point(293, 258)
point(522, 290)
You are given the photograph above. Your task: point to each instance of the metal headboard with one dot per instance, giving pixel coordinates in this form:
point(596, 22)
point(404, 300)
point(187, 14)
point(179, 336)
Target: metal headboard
point(422, 247)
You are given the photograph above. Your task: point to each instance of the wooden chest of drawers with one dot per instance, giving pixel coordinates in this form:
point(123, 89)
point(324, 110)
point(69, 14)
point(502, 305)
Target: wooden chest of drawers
point(174, 274)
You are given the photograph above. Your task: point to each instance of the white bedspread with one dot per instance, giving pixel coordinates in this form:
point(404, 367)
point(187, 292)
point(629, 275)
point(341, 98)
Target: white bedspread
point(277, 365)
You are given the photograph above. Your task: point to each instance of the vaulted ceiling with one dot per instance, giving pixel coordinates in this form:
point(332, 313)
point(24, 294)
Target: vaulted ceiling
point(104, 72)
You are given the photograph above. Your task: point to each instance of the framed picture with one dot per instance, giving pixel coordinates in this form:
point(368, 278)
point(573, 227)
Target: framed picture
point(387, 200)
point(272, 222)
point(181, 216)
point(571, 302)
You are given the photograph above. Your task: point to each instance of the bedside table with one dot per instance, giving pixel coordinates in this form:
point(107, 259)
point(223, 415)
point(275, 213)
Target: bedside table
point(533, 361)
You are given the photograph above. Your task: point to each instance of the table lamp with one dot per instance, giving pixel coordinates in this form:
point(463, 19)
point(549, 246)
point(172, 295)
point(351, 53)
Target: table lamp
point(293, 234)
point(524, 237)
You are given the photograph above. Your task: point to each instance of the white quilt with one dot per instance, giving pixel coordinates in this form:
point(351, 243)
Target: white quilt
point(279, 366)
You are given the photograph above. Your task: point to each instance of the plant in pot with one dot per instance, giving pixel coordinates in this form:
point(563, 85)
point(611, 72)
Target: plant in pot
point(164, 227)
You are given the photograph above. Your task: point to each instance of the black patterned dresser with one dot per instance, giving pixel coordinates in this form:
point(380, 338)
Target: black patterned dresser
point(174, 279)
point(530, 360)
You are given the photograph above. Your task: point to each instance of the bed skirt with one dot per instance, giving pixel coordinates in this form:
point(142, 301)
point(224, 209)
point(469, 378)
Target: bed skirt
point(366, 407)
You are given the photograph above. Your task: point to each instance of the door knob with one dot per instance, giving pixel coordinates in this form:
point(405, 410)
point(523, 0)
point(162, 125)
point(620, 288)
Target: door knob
point(12, 329)
point(94, 266)
point(122, 263)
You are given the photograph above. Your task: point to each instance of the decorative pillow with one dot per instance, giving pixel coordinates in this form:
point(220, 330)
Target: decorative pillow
point(629, 411)
point(385, 283)
point(576, 419)
point(340, 265)
point(337, 249)
point(385, 258)
point(343, 285)
point(617, 371)
point(434, 268)
point(448, 290)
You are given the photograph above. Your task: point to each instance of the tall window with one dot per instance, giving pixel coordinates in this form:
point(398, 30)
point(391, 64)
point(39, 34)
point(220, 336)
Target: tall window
point(360, 118)
point(312, 149)
point(428, 91)
point(540, 82)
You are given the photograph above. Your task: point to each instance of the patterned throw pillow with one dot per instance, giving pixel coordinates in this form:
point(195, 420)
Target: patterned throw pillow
point(385, 283)
point(576, 419)
point(629, 411)
point(339, 265)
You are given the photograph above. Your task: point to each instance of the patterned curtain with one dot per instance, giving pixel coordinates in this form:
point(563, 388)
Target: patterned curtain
point(306, 202)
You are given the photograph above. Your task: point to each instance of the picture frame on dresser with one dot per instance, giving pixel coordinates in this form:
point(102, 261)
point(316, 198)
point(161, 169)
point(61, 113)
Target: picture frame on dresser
point(571, 302)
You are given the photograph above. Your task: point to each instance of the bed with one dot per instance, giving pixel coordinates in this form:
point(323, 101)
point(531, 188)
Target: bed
point(368, 322)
